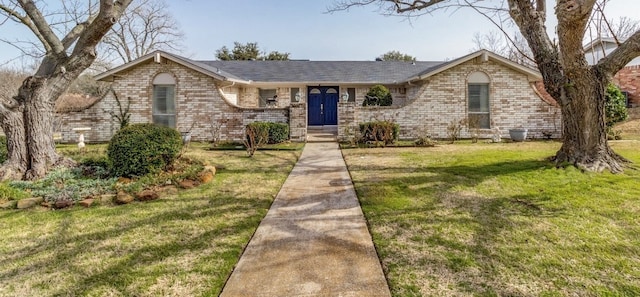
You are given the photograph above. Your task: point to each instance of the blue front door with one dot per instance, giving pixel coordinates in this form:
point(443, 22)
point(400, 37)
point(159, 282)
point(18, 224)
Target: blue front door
point(323, 106)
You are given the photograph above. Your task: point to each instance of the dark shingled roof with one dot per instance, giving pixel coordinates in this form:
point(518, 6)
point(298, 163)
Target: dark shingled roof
point(386, 72)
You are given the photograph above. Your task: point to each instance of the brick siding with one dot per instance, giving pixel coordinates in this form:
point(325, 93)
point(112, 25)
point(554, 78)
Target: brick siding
point(628, 78)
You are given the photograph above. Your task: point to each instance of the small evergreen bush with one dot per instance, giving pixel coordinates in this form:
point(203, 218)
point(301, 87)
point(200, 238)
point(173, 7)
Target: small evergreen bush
point(378, 95)
point(277, 132)
point(140, 149)
point(615, 106)
point(384, 132)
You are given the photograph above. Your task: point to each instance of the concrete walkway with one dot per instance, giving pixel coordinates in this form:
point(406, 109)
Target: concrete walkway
point(314, 240)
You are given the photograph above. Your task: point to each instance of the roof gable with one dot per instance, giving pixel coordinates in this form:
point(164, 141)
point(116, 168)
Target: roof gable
point(157, 57)
point(485, 55)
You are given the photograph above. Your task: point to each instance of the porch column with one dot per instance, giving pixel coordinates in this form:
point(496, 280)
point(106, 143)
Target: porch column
point(298, 121)
point(347, 125)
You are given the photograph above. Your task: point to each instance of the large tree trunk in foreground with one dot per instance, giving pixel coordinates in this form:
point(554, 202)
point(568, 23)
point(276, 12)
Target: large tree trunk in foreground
point(585, 134)
point(27, 123)
point(27, 119)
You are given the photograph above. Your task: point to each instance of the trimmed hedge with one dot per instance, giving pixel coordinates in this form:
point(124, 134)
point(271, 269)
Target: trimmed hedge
point(141, 149)
point(379, 131)
point(278, 132)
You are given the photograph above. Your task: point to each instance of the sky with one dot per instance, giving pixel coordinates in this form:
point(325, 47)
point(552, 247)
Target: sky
point(304, 29)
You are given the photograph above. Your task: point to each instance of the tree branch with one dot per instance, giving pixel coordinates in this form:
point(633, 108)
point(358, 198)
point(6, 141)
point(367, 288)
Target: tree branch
point(621, 56)
point(13, 14)
point(42, 28)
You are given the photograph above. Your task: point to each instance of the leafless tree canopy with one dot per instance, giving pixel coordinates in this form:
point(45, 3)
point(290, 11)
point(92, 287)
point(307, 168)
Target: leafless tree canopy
point(145, 27)
point(66, 36)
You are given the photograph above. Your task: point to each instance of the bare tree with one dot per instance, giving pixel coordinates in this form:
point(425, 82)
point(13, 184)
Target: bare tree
point(146, 26)
point(514, 48)
point(68, 38)
point(578, 87)
point(10, 81)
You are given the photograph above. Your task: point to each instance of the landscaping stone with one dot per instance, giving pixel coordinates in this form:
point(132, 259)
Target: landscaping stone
point(9, 204)
point(208, 174)
point(87, 202)
point(147, 195)
point(169, 190)
point(29, 202)
point(187, 184)
point(107, 198)
point(60, 204)
point(124, 198)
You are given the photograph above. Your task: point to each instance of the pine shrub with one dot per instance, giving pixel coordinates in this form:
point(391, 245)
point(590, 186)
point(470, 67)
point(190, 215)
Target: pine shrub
point(140, 149)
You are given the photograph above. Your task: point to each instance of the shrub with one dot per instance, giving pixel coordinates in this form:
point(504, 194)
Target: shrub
point(140, 149)
point(256, 135)
point(7, 192)
point(278, 132)
point(453, 129)
point(4, 154)
point(378, 95)
point(615, 106)
point(65, 184)
point(384, 132)
point(275, 132)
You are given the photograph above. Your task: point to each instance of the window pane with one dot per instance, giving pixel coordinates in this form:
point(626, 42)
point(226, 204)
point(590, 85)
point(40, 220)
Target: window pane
point(294, 91)
point(164, 106)
point(163, 100)
point(264, 95)
point(478, 98)
point(479, 120)
point(352, 94)
point(165, 120)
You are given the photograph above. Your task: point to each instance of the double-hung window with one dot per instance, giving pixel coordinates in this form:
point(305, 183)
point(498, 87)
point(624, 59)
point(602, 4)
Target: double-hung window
point(164, 100)
point(479, 114)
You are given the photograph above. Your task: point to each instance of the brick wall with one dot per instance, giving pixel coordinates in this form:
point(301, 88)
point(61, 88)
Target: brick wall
point(199, 106)
point(628, 78)
point(443, 98)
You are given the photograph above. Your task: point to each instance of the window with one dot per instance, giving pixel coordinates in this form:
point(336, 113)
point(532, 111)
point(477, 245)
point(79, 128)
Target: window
point(479, 110)
point(266, 96)
point(293, 93)
point(352, 94)
point(164, 103)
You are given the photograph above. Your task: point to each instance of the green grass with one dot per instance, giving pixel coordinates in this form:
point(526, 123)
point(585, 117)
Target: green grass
point(499, 220)
point(184, 244)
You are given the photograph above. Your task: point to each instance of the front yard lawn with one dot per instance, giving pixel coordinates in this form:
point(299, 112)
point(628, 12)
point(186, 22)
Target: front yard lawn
point(499, 220)
point(184, 244)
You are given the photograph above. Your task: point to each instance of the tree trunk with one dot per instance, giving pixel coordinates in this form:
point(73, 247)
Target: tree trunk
point(28, 127)
point(585, 135)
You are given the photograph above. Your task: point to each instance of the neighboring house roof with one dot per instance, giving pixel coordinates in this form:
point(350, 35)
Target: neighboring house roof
point(601, 41)
point(320, 72)
point(74, 102)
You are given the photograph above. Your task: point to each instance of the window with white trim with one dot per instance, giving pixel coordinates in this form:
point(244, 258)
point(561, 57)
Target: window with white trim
point(479, 111)
point(164, 101)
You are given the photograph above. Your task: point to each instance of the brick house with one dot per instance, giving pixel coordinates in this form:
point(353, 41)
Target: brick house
point(224, 96)
point(628, 78)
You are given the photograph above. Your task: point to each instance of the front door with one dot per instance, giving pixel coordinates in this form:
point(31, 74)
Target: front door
point(323, 106)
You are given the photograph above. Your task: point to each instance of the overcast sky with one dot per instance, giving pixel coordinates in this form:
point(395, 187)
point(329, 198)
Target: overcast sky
point(304, 29)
